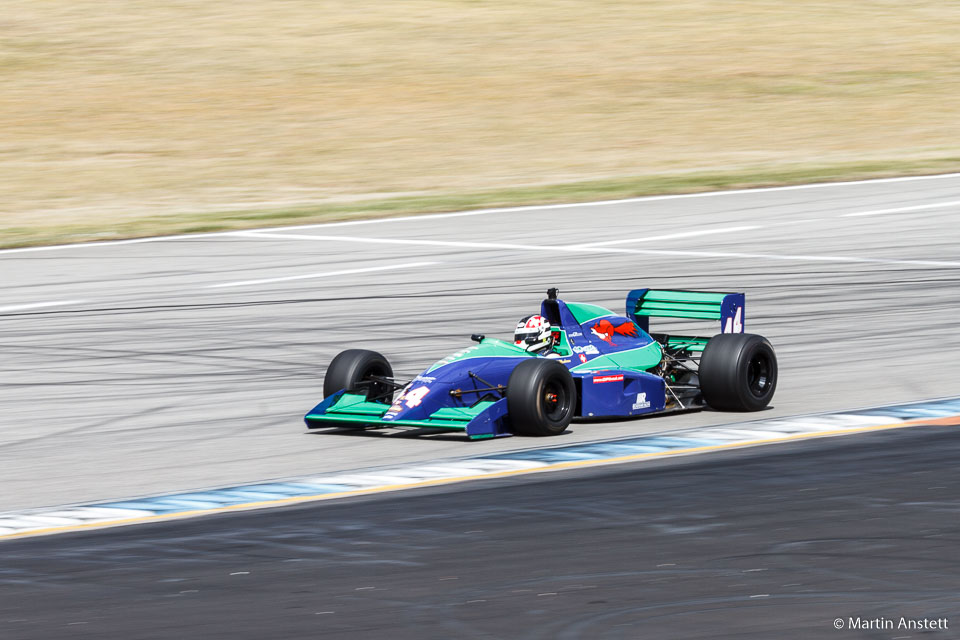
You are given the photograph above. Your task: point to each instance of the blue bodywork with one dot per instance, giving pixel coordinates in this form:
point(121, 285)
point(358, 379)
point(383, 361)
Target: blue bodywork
point(610, 357)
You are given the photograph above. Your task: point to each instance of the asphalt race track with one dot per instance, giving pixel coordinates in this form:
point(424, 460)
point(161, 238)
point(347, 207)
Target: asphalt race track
point(145, 367)
point(772, 542)
point(138, 367)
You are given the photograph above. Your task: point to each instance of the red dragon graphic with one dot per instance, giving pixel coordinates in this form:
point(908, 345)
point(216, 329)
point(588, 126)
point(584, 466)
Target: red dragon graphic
point(604, 329)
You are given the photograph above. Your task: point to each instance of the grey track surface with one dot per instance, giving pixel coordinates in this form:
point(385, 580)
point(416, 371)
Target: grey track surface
point(775, 542)
point(151, 381)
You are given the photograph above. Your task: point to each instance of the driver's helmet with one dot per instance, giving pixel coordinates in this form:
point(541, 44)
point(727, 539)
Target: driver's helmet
point(533, 334)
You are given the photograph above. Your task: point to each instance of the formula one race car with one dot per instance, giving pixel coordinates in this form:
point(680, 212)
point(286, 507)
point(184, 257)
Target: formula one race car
point(573, 360)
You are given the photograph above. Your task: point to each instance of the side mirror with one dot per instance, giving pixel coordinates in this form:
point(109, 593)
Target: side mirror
point(477, 337)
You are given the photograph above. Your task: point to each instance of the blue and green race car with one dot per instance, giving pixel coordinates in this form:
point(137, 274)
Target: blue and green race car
point(599, 365)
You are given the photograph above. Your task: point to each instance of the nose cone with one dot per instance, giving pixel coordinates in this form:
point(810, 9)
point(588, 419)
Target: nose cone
point(418, 400)
point(475, 373)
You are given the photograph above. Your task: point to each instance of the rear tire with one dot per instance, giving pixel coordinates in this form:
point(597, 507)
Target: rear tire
point(352, 369)
point(738, 372)
point(541, 398)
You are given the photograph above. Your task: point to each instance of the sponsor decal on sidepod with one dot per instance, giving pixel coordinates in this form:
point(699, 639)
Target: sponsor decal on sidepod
point(588, 349)
point(642, 402)
point(601, 379)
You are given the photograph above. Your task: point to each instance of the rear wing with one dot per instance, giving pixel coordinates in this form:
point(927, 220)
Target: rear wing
point(728, 308)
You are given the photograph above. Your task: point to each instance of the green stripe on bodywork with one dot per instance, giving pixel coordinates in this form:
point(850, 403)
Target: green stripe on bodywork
point(638, 359)
point(702, 314)
point(460, 413)
point(587, 312)
point(687, 343)
point(355, 403)
point(681, 304)
point(489, 348)
point(684, 296)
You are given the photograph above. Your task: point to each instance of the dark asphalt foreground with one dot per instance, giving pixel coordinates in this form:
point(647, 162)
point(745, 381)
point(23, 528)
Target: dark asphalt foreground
point(772, 542)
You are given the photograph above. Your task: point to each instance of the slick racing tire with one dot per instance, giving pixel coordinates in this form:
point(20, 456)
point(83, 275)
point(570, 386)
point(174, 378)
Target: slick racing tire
point(541, 398)
point(738, 372)
point(354, 369)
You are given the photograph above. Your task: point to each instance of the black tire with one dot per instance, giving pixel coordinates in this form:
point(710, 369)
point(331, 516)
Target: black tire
point(352, 370)
point(738, 372)
point(541, 398)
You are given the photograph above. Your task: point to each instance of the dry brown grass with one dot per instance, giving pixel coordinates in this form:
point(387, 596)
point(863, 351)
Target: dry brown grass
point(114, 111)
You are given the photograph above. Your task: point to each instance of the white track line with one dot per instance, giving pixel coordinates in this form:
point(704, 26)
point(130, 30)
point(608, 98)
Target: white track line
point(590, 249)
point(109, 243)
point(38, 305)
point(669, 236)
point(785, 257)
point(480, 212)
point(344, 272)
point(453, 244)
point(919, 207)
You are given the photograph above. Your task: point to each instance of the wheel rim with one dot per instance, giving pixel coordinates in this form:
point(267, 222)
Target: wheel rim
point(555, 400)
point(759, 375)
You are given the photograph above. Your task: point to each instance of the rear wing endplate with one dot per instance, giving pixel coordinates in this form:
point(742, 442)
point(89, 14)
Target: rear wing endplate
point(728, 308)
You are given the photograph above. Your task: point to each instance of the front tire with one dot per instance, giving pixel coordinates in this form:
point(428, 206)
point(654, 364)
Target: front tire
point(541, 398)
point(738, 372)
point(356, 370)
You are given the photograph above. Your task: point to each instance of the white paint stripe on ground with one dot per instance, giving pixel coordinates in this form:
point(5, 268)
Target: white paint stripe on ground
point(786, 257)
point(452, 244)
point(109, 243)
point(38, 305)
point(592, 249)
point(480, 212)
point(669, 236)
point(919, 207)
point(343, 272)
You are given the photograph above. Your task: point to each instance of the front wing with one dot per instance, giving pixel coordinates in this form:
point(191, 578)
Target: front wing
point(487, 419)
point(614, 393)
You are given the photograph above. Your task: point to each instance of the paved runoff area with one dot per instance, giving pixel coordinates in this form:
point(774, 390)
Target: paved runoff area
point(174, 365)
